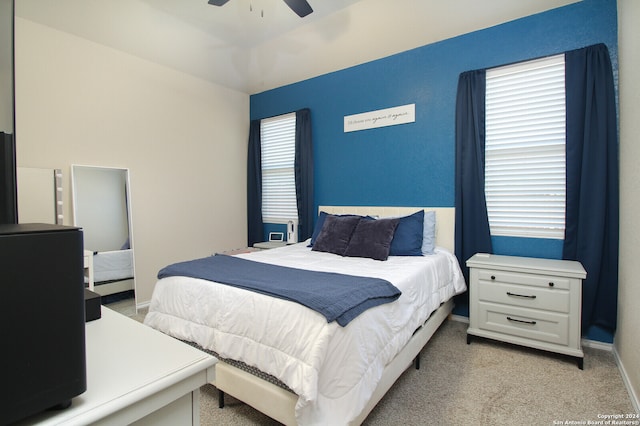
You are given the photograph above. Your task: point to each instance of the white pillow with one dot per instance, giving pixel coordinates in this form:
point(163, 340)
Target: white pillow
point(429, 232)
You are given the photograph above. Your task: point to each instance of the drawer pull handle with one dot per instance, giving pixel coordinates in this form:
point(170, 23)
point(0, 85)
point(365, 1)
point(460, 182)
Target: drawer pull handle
point(522, 321)
point(493, 277)
point(551, 284)
point(521, 295)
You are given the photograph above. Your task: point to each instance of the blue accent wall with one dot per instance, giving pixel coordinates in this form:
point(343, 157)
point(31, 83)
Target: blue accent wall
point(413, 164)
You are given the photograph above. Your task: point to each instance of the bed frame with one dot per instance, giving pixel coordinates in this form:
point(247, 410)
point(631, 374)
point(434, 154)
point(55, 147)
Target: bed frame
point(114, 283)
point(106, 288)
point(279, 403)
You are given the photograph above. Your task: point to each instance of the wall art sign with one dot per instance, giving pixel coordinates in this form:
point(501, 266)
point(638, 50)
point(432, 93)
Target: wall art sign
point(381, 118)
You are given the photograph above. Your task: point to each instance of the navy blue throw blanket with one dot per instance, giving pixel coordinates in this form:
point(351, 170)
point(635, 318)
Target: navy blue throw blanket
point(338, 297)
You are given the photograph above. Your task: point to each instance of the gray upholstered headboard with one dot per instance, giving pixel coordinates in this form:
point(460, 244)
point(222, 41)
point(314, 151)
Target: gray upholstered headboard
point(445, 218)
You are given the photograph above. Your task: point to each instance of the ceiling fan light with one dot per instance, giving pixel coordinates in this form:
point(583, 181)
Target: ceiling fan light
point(301, 7)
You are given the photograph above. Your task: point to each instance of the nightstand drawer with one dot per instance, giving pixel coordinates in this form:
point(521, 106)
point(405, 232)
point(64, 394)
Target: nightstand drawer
point(530, 324)
point(551, 299)
point(267, 245)
point(546, 281)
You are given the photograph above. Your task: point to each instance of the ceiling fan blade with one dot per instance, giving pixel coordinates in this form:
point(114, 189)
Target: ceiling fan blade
point(218, 2)
point(301, 7)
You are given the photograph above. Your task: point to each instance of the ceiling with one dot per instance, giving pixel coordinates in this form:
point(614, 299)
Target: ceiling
point(255, 45)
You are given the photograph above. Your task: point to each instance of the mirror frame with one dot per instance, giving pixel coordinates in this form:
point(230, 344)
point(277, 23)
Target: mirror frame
point(129, 210)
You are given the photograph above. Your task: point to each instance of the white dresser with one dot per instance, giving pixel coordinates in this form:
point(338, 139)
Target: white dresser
point(135, 376)
point(527, 301)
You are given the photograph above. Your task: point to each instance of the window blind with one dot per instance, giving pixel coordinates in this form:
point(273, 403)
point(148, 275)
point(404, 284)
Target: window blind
point(277, 135)
point(525, 166)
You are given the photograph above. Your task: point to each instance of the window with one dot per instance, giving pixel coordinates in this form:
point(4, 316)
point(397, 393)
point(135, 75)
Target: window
point(277, 135)
point(525, 166)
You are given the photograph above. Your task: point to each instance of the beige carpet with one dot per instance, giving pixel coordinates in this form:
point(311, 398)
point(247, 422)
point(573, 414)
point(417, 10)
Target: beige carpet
point(484, 383)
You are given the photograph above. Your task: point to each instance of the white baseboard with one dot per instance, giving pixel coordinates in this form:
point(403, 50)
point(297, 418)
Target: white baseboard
point(143, 305)
point(635, 401)
point(459, 318)
point(595, 345)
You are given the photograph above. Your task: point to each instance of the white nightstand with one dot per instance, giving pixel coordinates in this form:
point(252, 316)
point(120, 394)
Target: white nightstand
point(527, 301)
point(242, 250)
point(266, 245)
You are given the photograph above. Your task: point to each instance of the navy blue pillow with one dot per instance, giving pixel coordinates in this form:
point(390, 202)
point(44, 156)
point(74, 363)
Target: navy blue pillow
point(372, 238)
point(318, 227)
point(407, 239)
point(336, 234)
point(320, 223)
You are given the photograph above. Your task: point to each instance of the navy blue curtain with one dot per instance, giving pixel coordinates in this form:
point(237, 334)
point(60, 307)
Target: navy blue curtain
point(303, 167)
point(591, 235)
point(255, 227)
point(472, 233)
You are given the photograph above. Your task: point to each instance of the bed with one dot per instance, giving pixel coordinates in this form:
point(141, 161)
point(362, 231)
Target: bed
point(324, 373)
point(113, 271)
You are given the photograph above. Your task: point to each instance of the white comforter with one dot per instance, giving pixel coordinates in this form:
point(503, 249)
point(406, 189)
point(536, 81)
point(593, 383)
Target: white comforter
point(112, 265)
point(334, 370)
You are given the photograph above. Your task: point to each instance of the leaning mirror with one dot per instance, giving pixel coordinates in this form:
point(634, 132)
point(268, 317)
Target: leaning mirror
point(102, 208)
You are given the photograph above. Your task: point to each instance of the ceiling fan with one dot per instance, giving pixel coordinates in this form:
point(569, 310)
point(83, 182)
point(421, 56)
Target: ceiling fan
point(300, 7)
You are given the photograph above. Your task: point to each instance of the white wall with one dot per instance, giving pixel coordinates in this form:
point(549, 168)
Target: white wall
point(627, 340)
point(183, 140)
